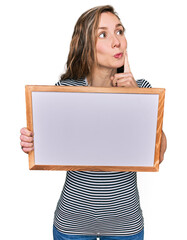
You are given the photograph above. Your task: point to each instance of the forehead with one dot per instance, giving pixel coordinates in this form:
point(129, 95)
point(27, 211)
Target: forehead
point(108, 19)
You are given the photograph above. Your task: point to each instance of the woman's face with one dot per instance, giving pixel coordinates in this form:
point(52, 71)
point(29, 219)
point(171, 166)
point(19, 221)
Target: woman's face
point(111, 43)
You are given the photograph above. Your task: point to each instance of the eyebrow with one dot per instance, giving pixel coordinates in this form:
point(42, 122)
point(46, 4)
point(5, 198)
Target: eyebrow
point(117, 25)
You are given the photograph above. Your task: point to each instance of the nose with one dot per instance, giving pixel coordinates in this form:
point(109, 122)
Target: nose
point(115, 41)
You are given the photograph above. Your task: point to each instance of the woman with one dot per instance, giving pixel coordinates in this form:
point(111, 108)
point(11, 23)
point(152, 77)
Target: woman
point(92, 204)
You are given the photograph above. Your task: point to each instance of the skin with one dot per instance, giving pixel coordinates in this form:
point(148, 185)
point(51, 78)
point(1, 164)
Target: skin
point(110, 41)
point(27, 140)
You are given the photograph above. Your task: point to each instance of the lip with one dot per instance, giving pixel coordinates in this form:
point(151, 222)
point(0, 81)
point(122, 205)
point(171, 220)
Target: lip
point(118, 55)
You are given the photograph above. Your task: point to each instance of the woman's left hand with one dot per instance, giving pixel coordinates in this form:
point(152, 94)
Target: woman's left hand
point(125, 79)
point(163, 147)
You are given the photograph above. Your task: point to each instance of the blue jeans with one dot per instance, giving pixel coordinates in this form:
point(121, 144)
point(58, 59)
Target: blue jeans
point(61, 236)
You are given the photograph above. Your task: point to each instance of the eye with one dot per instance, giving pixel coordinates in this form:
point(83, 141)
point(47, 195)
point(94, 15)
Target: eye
point(102, 35)
point(120, 32)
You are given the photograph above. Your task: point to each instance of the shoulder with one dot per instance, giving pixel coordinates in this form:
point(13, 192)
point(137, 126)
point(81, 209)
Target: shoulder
point(72, 82)
point(142, 83)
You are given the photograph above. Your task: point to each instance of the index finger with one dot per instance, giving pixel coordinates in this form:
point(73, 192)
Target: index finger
point(26, 132)
point(126, 64)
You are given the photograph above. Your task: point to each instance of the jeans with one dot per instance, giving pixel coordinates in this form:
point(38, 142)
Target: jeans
point(61, 236)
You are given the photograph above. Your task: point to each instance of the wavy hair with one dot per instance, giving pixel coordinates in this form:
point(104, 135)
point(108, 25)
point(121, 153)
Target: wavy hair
point(82, 54)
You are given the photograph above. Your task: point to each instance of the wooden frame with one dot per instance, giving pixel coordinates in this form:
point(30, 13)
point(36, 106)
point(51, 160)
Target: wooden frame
point(114, 92)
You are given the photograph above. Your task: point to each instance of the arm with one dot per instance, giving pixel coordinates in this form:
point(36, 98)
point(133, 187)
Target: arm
point(26, 137)
point(126, 79)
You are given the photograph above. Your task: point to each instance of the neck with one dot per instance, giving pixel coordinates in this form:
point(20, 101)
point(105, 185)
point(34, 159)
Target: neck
point(101, 77)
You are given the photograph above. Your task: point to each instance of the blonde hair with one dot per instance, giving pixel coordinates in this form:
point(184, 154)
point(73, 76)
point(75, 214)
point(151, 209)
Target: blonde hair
point(82, 55)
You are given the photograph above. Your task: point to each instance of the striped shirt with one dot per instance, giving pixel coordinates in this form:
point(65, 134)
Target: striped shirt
point(99, 203)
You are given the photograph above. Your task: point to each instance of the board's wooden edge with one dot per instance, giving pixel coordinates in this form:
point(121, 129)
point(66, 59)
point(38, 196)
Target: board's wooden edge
point(159, 128)
point(29, 118)
point(47, 88)
point(42, 88)
point(28, 99)
point(94, 168)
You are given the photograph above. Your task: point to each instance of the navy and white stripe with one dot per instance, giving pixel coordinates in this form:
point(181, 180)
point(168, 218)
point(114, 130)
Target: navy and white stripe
point(99, 203)
point(142, 83)
point(71, 82)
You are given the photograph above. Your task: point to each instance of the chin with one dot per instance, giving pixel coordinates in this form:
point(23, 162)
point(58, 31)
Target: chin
point(118, 65)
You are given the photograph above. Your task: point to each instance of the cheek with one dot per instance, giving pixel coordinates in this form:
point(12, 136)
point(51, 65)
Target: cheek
point(124, 43)
point(101, 49)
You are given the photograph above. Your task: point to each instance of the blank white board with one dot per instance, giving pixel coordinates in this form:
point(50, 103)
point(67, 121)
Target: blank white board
point(103, 129)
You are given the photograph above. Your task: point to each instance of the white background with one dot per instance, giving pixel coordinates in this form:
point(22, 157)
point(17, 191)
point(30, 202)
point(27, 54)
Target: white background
point(34, 44)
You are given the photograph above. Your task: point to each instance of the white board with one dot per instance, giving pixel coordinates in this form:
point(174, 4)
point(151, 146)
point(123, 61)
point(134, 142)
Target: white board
point(94, 129)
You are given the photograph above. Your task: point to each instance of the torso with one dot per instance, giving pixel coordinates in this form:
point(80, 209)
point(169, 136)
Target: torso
point(99, 203)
